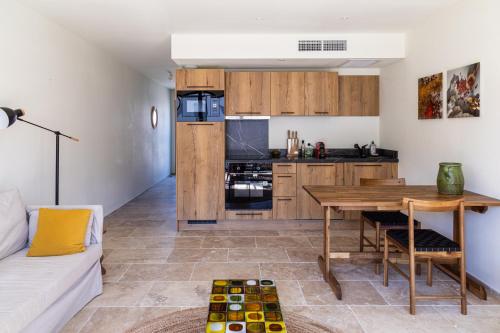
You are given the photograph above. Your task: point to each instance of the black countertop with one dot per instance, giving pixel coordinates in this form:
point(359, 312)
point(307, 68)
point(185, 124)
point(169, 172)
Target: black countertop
point(334, 156)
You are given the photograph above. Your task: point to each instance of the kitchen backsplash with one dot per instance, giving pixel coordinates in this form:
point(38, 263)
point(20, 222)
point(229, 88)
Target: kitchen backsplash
point(247, 137)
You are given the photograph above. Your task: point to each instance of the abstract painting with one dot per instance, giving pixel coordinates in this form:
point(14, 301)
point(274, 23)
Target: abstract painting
point(430, 97)
point(463, 92)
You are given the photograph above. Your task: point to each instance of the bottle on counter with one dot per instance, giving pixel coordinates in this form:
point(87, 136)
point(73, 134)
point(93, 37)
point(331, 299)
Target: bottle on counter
point(373, 149)
point(303, 149)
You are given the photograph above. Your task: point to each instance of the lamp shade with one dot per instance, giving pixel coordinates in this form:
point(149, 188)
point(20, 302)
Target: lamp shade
point(9, 116)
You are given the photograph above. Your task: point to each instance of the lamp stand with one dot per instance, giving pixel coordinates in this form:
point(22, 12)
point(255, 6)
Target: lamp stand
point(58, 134)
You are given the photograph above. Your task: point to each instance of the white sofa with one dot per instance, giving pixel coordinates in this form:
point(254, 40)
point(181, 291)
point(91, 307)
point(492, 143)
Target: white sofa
point(41, 294)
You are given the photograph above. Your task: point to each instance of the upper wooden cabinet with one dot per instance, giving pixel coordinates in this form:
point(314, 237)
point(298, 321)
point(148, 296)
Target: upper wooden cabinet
point(199, 79)
point(248, 93)
point(359, 95)
point(200, 170)
point(287, 93)
point(321, 93)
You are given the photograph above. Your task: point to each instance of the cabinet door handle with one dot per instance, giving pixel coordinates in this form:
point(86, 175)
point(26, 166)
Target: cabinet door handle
point(247, 214)
point(284, 176)
point(320, 165)
point(200, 124)
point(287, 112)
point(243, 113)
point(284, 199)
point(200, 86)
point(321, 112)
point(368, 164)
point(284, 165)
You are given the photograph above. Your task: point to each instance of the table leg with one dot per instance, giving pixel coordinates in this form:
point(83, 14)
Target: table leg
point(324, 260)
point(473, 284)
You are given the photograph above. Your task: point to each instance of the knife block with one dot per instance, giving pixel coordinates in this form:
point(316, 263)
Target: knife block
point(292, 147)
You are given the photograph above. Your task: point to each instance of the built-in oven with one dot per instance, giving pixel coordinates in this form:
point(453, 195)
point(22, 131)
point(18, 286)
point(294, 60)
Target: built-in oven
point(249, 186)
point(200, 106)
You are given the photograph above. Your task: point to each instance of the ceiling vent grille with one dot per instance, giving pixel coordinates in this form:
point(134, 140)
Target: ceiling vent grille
point(310, 45)
point(322, 45)
point(334, 45)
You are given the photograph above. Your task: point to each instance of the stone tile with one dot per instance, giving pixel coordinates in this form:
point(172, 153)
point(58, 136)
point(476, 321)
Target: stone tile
point(479, 319)
point(122, 243)
point(258, 255)
point(160, 231)
point(291, 271)
point(185, 293)
point(264, 233)
point(397, 293)
point(289, 292)
point(203, 233)
point(302, 232)
point(176, 242)
point(144, 256)
point(228, 242)
point(197, 255)
point(383, 319)
point(339, 318)
point(353, 292)
point(118, 232)
point(158, 272)
point(122, 294)
point(79, 320)
point(112, 319)
point(283, 241)
point(212, 271)
point(303, 254)
point(338, 242)
point(114, 272)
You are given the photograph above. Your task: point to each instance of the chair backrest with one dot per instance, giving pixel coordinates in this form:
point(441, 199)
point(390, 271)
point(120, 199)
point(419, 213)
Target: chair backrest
point(433, 205)
point(382, 182)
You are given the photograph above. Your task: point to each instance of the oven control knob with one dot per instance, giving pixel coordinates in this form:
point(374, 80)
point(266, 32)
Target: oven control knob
point(258, 168)
point(238, 168)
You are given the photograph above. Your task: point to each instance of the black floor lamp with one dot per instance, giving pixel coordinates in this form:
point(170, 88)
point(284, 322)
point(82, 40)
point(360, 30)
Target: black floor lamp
point(9, 116)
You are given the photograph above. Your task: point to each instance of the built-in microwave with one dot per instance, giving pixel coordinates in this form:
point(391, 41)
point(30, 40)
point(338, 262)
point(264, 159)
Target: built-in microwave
point(200, 106)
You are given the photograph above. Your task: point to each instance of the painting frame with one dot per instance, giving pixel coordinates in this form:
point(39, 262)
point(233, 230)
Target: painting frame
point(463, 91)
point(430, 97)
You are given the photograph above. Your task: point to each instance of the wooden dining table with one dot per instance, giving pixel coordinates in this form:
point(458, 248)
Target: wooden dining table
point(373, 198)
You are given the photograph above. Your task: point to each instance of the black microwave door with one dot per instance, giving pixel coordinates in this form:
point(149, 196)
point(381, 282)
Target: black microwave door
point(194, 107)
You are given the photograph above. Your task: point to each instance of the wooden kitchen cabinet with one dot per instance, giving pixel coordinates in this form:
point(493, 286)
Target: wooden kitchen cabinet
point(200, 170)
point(287, 93)
point(199, 79)
point(358, 95)
point(353, 172)
point(321, 94)
point(248, 93)
point(284, 208)
point(284, 185)
point(316, 174)
point(249, 214)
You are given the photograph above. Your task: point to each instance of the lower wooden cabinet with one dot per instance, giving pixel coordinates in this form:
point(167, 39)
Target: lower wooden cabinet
point(200, 170)
point(284, 208)
point(353, 172)
point(284, 185)
point(316, 174)
point(249, 214)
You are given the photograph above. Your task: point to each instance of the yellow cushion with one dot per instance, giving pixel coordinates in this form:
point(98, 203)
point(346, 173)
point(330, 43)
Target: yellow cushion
point(60, 232)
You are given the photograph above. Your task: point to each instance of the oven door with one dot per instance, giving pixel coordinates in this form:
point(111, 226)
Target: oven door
point(249, 191)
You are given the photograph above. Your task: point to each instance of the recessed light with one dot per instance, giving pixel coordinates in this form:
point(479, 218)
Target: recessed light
point(281, 59)
point(344, 18)
point(258, 18)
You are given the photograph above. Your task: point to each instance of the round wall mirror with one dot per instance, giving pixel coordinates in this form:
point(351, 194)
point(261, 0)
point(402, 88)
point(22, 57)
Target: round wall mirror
point(154, 117)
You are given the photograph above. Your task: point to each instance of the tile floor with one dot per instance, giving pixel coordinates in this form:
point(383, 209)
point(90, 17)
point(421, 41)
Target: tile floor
point(153, 270)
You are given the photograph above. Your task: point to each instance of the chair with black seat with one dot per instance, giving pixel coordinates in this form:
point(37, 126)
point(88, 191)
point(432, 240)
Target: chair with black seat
point(381, 220)
point(429, 245)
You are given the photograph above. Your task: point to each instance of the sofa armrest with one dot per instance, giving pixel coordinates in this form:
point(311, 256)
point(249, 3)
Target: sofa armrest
point(97, 223)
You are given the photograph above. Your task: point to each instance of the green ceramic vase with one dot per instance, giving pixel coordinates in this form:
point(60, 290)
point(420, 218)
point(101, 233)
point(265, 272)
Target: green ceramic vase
point(450, 179)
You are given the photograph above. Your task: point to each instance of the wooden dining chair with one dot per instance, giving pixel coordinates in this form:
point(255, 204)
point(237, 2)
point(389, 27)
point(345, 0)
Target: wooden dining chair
point(429, 245)
point(381, 220)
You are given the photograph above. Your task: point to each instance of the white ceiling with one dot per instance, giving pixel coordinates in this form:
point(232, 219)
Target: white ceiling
point(138, 31)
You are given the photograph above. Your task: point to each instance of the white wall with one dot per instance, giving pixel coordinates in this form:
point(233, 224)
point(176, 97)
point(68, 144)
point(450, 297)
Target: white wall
point(335, 132)
point(67, 84)
point(462, 34)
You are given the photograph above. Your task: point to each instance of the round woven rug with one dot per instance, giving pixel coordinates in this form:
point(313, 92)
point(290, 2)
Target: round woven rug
point(195, 320)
